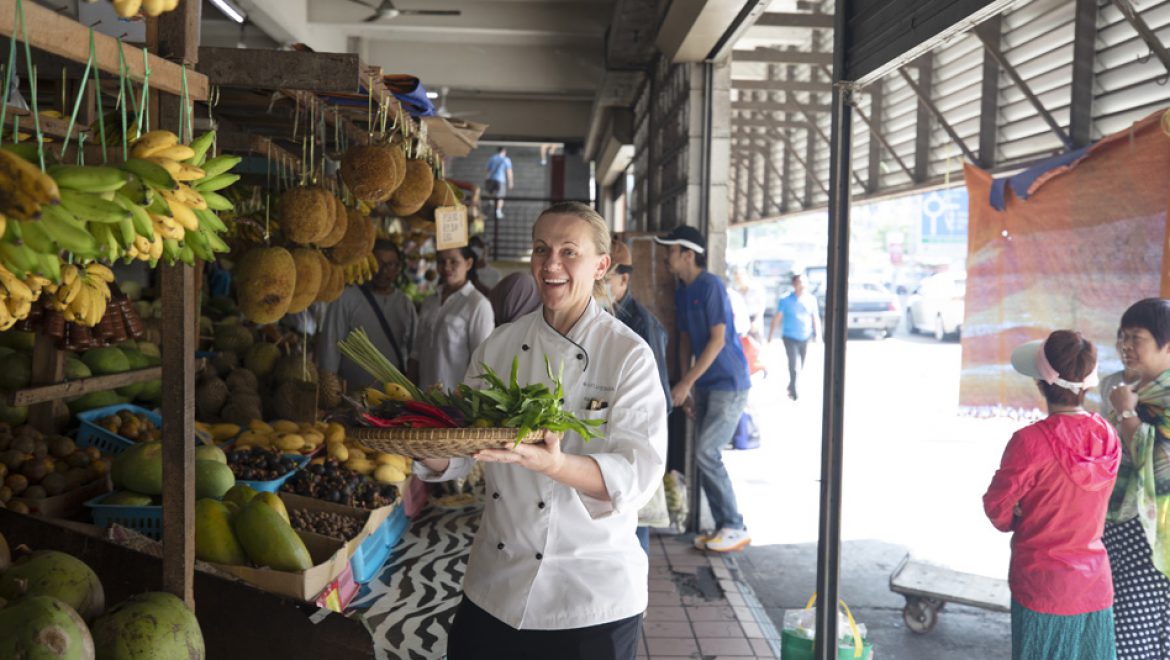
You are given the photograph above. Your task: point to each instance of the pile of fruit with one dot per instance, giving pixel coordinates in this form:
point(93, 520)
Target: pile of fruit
point(53, 605)
point(34, 466)
point(259, 464)
point(132, 426)
point(327, 523)
point(288, 437)
point(331, 481)
point(248, 527)
point(138, 475)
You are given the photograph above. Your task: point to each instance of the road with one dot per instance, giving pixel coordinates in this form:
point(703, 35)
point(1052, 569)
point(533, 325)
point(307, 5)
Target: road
point(914, 476)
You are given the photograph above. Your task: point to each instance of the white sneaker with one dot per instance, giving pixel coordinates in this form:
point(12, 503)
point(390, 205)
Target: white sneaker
point(729, 540)
point(701, 540)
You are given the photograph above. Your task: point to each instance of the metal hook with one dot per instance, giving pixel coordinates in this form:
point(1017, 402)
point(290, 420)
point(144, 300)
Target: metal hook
point(1143, 60)
point(1162, 79)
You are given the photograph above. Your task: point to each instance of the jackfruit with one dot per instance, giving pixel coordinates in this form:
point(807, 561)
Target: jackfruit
point(415, 189)
point(306, 214)
point(358, 240)
point(369, 172)
point(442, 195)
point(340, 222)
point(398, 153)
point(308, 281)
point(265, 281)
point(332, 283)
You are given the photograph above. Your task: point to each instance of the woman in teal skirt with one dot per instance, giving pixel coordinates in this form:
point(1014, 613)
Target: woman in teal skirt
point(1051, 491)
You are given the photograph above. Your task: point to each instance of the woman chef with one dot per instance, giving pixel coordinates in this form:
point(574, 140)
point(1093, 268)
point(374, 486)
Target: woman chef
point(556, 570)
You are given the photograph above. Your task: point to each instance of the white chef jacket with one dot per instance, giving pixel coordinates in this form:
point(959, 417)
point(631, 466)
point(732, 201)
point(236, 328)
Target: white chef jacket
point(546, 556)
point(448, 331)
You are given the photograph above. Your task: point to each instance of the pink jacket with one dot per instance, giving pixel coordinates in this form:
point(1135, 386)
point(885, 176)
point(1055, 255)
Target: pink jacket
point(1060, 472)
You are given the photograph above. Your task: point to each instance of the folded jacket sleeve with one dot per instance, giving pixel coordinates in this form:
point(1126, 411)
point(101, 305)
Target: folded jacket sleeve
point(1014, 478)
point(632, 457)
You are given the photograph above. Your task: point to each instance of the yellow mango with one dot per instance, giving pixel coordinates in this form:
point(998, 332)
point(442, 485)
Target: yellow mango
point(285, 426)
point(260, 425)
point(313, 438)
point(320, 460)
point(388, 474)
point(290, 442)
point(334, 432)
point(356, 453)
point(339, 452)
point(360, 465)
point(221, 432)
point(201, 426)
point(390, 459)
point(274, 502)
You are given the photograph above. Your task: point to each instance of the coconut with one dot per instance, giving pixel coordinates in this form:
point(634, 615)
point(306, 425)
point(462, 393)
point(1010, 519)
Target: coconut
point(358, 240)
point(306, 214)
point(333, 285)
point(44, 627)
point(340, 222)
point(149, 625)
point(265, 281)
point(415, 189)
point(308, 279)
point(56, 574)
point(370, 172)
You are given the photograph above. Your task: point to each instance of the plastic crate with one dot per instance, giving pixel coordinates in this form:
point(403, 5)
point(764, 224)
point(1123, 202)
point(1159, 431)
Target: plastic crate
point(369, 557)
point(92, 435)
point(146, 520)
point(275, 484)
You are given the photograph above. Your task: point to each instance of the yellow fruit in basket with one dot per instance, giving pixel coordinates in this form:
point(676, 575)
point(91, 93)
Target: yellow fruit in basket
point(388, 474)
point(313, 438)
point(221, 432)
point(290, 442)
point(390, 459)
point(339, 452)
point(397, 392)
point(260, 425)
point(334, 432)
point(285, 426)
point(356, 453)
point(360, 465)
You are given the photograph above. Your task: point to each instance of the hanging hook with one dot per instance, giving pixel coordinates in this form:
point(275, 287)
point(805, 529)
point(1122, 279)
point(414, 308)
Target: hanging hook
point(1146, 58)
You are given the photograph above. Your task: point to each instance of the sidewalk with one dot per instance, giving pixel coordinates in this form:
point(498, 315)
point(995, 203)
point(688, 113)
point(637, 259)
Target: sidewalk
point(701, 607)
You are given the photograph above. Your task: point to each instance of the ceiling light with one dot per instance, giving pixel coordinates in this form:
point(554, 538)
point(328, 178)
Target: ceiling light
point(229, 10)
point(432, 95)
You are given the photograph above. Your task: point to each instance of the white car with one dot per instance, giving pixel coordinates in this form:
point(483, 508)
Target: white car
point(872, 308)
point(936, 306)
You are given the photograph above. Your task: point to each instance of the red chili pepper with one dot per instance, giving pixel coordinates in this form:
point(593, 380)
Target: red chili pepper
point(378, 421)
point(431, 411)
point(419, 421)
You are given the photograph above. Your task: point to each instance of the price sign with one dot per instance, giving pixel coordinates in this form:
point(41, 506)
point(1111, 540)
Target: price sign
point(450, 227)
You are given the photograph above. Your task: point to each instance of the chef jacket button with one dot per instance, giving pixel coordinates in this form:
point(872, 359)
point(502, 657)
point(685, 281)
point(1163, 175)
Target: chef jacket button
point(539, 556)
point(540, 505)
point(524, 347)
point(580, 356)
point(495, 496)
point(500, 546)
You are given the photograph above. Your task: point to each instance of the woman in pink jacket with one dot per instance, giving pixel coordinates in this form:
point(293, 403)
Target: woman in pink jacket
point(1051, 491)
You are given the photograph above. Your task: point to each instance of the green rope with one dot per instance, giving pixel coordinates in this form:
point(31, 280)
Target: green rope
point(77, 101)
point(32, 73)
point(143, 108)
point(8, 71)
point(123, 96)
point(97, 87)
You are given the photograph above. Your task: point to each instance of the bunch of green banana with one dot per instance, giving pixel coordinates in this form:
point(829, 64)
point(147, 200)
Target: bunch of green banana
point(24, 188)
point(83, 293)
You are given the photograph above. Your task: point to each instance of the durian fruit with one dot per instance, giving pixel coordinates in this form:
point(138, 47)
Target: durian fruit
point(265, 281)
point(306, 214)
point(415, 189)
point(332, 283)
point(330, 389)
point(340, 222)
point(308, 282)
point(358, 240)
point(398, 153)
point(369, 172)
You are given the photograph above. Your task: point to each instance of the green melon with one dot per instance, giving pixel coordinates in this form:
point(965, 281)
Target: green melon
point(137, 361)
point(212, 479)
point(139, 469)
point(104, 361)
point(75, 369)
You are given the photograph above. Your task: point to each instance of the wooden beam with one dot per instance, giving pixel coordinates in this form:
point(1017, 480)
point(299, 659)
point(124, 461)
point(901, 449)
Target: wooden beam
point(48, 368)
point(50, 127)
point(925, 100)
point(63, 36)
point(232, 139)
point(1080, 125)
point(989, 43)
point(781, 85)
point(39, 393)
point(781, 56)
point(795, 20)
point(251, 68)
point(778, 106)
point(989, 100)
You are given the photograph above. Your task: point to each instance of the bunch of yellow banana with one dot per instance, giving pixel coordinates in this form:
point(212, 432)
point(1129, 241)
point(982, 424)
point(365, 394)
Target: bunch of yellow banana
point(16, 299)
point(130, 8)
point(361, 271)
point(83, 293)
point(24, 188)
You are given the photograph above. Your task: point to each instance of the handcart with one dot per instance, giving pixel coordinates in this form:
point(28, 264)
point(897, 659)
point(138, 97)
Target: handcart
point(929, 587)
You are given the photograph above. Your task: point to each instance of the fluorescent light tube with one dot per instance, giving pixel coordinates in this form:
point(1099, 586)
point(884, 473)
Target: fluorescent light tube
point(229, 10)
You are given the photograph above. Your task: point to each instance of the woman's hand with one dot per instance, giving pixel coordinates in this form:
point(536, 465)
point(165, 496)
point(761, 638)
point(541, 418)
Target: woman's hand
point(1123, 398)
point(543, 457)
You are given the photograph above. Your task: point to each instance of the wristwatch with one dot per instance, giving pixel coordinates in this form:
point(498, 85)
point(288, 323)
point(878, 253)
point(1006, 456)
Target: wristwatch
point(1126, 414)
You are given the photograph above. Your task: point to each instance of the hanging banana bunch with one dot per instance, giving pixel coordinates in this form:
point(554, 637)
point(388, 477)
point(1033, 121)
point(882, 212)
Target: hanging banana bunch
point(130, 8)
point(361, 271)
point(83, 294)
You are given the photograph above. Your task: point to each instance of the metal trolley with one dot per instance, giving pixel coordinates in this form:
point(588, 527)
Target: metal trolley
point(929, 587)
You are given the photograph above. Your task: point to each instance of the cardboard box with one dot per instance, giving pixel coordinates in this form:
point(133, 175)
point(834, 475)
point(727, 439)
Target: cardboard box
point(330, 560)
point(67, 504)
point(374, 518)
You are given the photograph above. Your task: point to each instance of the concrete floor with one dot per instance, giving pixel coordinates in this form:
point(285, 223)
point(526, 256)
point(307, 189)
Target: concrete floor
point(915, 473)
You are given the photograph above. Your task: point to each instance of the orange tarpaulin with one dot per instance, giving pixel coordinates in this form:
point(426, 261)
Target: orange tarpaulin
point(1089, 241)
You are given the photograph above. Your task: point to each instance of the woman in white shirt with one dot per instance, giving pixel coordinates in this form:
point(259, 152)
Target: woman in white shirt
point(452, 323)
point(556, 570)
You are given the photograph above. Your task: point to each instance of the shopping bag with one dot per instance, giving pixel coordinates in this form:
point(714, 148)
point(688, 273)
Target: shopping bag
point(751, 351)
point(744, 438)
point(796, 643)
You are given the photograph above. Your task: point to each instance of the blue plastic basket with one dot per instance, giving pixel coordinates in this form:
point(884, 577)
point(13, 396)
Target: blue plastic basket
point(372, 553)
point(275, 484)
point(146, 520)
point(92, 435)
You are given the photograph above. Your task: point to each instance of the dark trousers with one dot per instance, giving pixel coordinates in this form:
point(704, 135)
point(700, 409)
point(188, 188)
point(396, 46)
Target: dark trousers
point(795, 349)
point(477, 635)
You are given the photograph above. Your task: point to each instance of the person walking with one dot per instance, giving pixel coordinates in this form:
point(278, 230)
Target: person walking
point(452, 323)
point(642, 321)
point(1051, 491)
point(499, 179)
point(555, 568)
point(715, 373)
point(799, 318)
point(1137, 530)
point(382, 308)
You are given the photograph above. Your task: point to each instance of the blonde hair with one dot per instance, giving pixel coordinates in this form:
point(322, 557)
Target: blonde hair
point(598, 228)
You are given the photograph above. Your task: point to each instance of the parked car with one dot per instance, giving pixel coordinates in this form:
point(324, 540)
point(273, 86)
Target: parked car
point(936, 306)
point(873, 308)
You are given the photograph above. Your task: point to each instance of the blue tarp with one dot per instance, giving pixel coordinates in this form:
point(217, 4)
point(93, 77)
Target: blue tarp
point(1021, 183)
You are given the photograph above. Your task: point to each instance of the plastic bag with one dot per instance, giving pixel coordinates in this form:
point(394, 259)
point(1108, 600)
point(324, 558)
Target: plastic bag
point(675, 487)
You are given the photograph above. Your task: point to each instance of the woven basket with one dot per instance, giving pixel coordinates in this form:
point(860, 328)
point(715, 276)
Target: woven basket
point(439, 443)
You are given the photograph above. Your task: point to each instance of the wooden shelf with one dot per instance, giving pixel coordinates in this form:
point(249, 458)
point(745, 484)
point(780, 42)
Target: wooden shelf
point(65, 37)
point(50, 126)
point(43, 393)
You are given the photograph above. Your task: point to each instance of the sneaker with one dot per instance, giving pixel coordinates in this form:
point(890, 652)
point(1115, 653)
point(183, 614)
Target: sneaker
point(701, 540)
point(729, 540)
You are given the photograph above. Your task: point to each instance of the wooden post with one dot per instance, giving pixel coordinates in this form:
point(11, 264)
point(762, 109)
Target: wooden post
point(177, 38)
point(48, 367)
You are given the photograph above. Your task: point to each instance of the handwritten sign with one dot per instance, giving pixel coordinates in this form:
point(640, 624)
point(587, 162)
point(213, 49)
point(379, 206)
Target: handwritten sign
point(450, 227)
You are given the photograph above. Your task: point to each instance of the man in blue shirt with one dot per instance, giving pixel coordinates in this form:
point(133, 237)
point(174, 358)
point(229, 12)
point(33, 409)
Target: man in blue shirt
point(798, 312)
point(715, 373)
point(499, 178)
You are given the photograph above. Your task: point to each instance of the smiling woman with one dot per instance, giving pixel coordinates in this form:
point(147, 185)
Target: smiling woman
point(570, 255)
